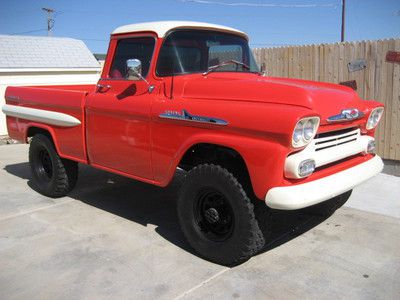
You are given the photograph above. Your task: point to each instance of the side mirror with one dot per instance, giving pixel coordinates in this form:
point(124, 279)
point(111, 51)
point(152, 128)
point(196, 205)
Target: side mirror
point(134, 72)
point(133, 69)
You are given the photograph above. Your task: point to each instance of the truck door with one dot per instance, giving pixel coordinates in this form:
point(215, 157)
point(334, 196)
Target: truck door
point(118, 114)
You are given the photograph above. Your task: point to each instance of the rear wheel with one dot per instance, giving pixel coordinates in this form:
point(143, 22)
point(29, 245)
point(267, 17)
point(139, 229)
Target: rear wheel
point(217, 217)
point(52, 175)
point(327, 208)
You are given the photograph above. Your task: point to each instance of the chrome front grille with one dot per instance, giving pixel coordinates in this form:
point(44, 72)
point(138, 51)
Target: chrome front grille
point(327, 148)
point(335, 138)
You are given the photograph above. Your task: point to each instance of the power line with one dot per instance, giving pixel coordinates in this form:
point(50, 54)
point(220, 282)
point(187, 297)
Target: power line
point(95, 40)
point(30, 31)
point(253, 4)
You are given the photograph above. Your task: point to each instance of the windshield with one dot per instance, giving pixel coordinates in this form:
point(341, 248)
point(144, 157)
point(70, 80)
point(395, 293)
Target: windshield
point(195, 51)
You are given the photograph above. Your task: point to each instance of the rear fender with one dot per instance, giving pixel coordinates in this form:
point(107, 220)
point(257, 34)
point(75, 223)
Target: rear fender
point(51, 131)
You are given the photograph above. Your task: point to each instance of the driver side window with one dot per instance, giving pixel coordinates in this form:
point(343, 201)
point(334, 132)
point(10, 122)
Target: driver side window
point(131, 48)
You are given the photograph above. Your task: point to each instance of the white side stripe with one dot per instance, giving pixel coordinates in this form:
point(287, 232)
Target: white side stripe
point(40, 115)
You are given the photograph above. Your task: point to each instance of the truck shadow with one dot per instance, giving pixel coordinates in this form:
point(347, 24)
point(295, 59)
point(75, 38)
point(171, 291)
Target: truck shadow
point(146, 204)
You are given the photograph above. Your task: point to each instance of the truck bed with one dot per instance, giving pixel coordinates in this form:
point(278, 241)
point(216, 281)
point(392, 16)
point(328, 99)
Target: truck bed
point(57, 109)
point(80, 88)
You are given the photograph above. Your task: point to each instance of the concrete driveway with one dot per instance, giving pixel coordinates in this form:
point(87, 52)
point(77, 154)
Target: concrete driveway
point(117, 238)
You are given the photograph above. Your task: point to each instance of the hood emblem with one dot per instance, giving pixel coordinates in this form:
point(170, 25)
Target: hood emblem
point(346, 115)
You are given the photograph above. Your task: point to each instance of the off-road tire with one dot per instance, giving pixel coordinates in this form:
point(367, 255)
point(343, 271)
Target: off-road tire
point(327, 208)
point(242, 237)
point(263, 216)
point(52, 175)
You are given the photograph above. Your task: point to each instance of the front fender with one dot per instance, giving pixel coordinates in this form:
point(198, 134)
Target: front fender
point(264, 159)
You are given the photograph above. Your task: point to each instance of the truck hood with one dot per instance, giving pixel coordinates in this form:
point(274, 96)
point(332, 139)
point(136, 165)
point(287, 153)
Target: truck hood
point(324, 99)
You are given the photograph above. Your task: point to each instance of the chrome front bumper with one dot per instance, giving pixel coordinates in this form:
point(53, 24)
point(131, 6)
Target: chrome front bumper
point(313, 192)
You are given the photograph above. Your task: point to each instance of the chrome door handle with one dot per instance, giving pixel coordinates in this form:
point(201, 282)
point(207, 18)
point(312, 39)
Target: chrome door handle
point(101, 88)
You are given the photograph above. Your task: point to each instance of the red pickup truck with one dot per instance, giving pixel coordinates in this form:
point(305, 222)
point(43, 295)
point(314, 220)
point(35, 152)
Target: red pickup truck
point(189, 95)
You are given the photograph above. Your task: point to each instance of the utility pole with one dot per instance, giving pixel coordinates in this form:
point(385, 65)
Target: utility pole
point(343, 19)
point(50, 20)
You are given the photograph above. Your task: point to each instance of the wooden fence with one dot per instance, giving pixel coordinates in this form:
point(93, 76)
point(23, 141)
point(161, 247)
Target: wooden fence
point(379, 80)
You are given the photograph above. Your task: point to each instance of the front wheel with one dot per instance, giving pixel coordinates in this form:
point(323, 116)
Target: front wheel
point(52, 175)
point(217, 217)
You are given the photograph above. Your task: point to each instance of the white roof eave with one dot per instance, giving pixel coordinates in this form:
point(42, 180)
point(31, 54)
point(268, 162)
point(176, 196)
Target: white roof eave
point(162, 28)
point(43, 70)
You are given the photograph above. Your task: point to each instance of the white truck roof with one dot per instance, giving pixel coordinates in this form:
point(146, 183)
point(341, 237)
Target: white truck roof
point(161, 28)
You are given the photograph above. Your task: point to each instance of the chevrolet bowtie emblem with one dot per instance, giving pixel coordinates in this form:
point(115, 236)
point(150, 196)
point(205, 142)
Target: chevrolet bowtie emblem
point(346, 115)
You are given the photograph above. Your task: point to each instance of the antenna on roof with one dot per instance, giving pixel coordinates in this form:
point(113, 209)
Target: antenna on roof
point(50, 20)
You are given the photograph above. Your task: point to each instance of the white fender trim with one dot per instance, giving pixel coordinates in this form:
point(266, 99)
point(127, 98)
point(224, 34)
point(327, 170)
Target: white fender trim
point(40, 115)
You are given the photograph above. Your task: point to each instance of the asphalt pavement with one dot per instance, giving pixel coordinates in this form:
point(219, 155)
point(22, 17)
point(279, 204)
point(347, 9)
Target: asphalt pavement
point(113, 237)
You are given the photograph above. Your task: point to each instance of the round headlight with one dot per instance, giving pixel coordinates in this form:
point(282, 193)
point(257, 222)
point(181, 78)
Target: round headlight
point(374, 117)
point(308, 131)
point(298, 133)
point(304, 131)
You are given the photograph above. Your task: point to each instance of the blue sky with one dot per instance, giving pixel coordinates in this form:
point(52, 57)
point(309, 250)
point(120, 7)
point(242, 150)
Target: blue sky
point(268, 22)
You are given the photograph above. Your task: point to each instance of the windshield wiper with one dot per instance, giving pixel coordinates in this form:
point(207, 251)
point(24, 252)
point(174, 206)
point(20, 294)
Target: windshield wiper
point(225, 63)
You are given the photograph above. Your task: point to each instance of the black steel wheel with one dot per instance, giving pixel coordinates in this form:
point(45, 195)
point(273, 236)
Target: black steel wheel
point(214, 215)
point(43, 164)
point(52, 175)
point(217, 217)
